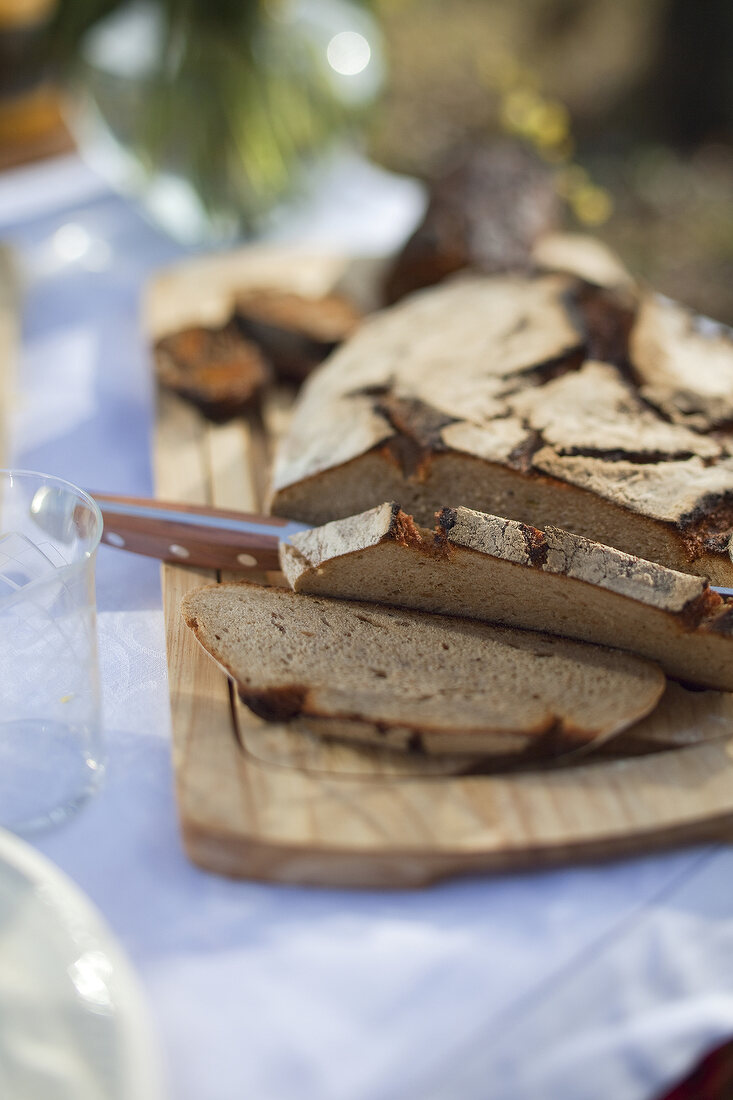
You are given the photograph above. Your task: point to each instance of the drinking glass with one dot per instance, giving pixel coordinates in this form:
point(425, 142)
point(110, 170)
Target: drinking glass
point(51, 746)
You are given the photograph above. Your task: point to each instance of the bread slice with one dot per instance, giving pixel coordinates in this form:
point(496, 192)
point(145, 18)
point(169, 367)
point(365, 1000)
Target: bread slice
point(215, 369)
point(683, 717)
point(541, 399)
point(501, 571)
point(294, 332)
point(425, 681)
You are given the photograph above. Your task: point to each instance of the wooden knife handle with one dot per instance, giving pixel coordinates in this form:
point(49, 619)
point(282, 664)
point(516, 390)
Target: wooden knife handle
point(136, 524)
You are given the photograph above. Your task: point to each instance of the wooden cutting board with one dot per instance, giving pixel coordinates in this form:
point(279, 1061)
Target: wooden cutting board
point(259, 801)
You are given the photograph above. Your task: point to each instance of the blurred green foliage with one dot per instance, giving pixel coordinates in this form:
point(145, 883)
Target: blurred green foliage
point(236, 101)
point(233, 19)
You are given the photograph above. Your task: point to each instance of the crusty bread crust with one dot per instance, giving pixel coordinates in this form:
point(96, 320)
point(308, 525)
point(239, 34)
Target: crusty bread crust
point(443, 354)
point(294, 331)
point(684, 364)
point(518, 397)
point(499, 570)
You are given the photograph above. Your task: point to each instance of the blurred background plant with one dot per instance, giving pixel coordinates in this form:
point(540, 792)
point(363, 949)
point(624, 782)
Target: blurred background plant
point(209, 109)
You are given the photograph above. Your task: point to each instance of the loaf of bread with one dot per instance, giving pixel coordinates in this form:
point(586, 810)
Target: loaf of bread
point(502, 571)
point(423, 681)
point(606, 412)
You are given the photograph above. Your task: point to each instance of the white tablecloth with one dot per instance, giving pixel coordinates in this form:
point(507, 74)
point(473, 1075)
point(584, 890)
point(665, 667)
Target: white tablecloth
point(602, 982)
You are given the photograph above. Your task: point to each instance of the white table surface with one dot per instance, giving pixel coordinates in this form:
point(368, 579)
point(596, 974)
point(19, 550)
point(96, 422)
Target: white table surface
point(603, 982)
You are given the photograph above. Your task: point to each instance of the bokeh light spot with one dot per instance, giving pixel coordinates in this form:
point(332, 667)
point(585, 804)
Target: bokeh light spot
point(348, 53)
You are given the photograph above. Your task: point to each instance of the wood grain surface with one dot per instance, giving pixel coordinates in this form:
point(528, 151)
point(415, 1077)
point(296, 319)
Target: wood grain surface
point(266, 801)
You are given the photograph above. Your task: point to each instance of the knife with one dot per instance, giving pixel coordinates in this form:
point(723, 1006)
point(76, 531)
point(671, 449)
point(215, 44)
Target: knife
point(196, 534)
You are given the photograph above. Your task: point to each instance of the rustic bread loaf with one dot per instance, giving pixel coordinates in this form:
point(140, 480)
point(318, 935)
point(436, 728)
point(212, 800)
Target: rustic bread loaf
point(541, 399)
point(439, 683)
point(503, 571)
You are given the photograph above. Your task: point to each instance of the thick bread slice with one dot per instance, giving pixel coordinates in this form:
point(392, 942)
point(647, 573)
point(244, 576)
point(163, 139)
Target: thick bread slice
point(682, 718)
point(544, 400)
point(501, 571)
point(439, 683)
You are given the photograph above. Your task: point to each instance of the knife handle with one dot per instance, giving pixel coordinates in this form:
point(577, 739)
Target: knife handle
point(191, 534)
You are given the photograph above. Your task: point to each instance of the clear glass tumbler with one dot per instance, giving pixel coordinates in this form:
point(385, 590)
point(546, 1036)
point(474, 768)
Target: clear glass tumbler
point(51, 745)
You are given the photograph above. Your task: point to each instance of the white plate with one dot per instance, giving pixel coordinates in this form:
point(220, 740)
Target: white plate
point(73, 1025)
